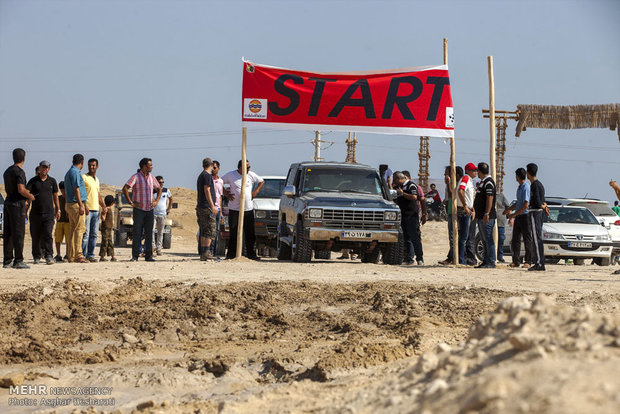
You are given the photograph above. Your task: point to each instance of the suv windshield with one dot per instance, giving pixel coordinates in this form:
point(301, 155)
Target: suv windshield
point(341, 180)
point(570, 215)
point(598, 209)
point(272, 189)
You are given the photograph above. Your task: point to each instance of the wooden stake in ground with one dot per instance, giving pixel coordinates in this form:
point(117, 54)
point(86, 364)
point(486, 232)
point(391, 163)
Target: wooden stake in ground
point(453, 183)
point(492, 133)
point(244, 177)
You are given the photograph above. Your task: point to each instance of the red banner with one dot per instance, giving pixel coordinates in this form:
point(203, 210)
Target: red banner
point(414, 101)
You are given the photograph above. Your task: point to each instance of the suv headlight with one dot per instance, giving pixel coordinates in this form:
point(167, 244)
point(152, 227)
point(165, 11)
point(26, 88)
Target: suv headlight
point(315, 213)
point(603, 237)
point(260, 214)
point(390, 216)
point(552, 236)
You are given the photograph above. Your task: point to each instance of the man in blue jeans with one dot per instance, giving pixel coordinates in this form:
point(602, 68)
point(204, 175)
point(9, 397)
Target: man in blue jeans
point(465, 211)
point(484, 207)
point(94, 201)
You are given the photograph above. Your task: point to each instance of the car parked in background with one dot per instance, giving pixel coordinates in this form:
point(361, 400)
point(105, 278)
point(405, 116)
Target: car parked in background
point(568, 233)
point(266, 206)
point(601, 210)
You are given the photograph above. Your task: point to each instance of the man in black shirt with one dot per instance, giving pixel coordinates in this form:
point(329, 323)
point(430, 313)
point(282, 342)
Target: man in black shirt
point(538, 207)
point(15, 212)
point(205, 209)
point(407, 200)
point(45, 209)
point(484, 206)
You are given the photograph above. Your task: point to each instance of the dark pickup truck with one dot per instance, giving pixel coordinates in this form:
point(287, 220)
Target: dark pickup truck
point(329, 206)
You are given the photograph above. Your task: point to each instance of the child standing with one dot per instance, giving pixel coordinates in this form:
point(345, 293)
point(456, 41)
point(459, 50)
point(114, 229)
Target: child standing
point(107, 229)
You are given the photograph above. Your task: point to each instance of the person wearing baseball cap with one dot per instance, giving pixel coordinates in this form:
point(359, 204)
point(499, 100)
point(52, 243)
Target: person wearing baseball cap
point(45, 209)
point(470, 249)
point(465, 210)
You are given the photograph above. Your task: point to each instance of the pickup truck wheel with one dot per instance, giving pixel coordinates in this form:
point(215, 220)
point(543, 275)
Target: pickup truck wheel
point(302, 248)
point(393, 252)
point(479, 247)
point(371, 256)
point(167, 241)
point(284, 250)
point(322, 255)
point(122, 239)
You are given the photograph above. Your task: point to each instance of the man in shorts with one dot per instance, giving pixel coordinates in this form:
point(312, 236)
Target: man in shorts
point(206, 211)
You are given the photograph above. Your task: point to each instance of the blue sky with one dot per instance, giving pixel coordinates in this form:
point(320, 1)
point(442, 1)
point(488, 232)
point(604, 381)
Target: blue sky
point(119, 80)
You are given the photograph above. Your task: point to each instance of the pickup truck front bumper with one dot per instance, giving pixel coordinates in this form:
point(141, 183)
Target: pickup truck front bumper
point(325, 234)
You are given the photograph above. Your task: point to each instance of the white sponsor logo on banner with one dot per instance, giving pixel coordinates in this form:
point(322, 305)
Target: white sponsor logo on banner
point(449, 117)
point(255, 108)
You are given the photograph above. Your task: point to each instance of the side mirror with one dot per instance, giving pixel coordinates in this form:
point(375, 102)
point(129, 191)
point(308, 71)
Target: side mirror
point(175, 205)
point(289, 191)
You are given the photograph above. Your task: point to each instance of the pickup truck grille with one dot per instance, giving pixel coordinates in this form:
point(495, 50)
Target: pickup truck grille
point(273, 214)
point(353, 219)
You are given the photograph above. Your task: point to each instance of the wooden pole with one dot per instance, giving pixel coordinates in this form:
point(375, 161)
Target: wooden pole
point(492, 166)
point(453, 183)
point(244, 177)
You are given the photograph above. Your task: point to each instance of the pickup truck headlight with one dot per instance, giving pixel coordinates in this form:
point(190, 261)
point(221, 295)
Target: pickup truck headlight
point(390, 216)
point(552, 236)
point(260, 214)
point(603, 237)
point(315, 213)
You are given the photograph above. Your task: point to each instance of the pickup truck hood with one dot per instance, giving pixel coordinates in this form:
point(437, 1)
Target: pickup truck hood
point(270, 204)
point(350, 200)
point(573, 228)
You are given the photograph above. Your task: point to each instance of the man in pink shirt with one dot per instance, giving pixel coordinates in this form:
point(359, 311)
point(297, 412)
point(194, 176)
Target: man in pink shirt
point(218, 185)
point(141, 199)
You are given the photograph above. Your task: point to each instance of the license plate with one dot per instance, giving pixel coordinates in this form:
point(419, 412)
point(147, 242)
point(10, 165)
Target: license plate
point(356, 235)
point(579, 244)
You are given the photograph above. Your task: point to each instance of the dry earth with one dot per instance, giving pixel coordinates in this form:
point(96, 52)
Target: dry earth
point(182, 335)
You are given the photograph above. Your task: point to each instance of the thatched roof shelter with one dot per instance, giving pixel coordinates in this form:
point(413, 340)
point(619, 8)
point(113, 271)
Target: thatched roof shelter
point(568, 117)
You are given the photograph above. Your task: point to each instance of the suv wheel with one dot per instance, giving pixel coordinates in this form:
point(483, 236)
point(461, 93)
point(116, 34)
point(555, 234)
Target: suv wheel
point(302, 248)
point(393, 252)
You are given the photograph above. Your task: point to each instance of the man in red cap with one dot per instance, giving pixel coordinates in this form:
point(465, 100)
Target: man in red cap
point(465, 211)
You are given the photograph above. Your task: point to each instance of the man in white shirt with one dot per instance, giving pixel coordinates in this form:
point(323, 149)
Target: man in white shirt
point(160, 212)
point(465, 211)
point(234, 179)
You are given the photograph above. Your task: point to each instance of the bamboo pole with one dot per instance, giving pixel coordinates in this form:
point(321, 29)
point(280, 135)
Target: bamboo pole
point(492, 165)
point(244, 177)
point(453, 183)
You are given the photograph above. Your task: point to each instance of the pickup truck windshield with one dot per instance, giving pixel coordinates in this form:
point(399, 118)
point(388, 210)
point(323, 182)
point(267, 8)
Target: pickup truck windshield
point(341, 180)
point(272, 189)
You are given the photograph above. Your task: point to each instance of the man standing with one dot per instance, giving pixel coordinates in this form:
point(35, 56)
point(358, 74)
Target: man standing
point(15, 212)
point(206, 211)
point(500, 206)
point(521, 227)
point(538, 207)
point(484, 206)
point(160, 212)
point(142, 184)
point(386, 175)
point(407, 200)
point(448, 196)
point(218, 184)
point(471, 258)
point(62, 224)
point(234, 179)
point(76, 209)
point(94, 201)
point(45, 208)
point(465, 210)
